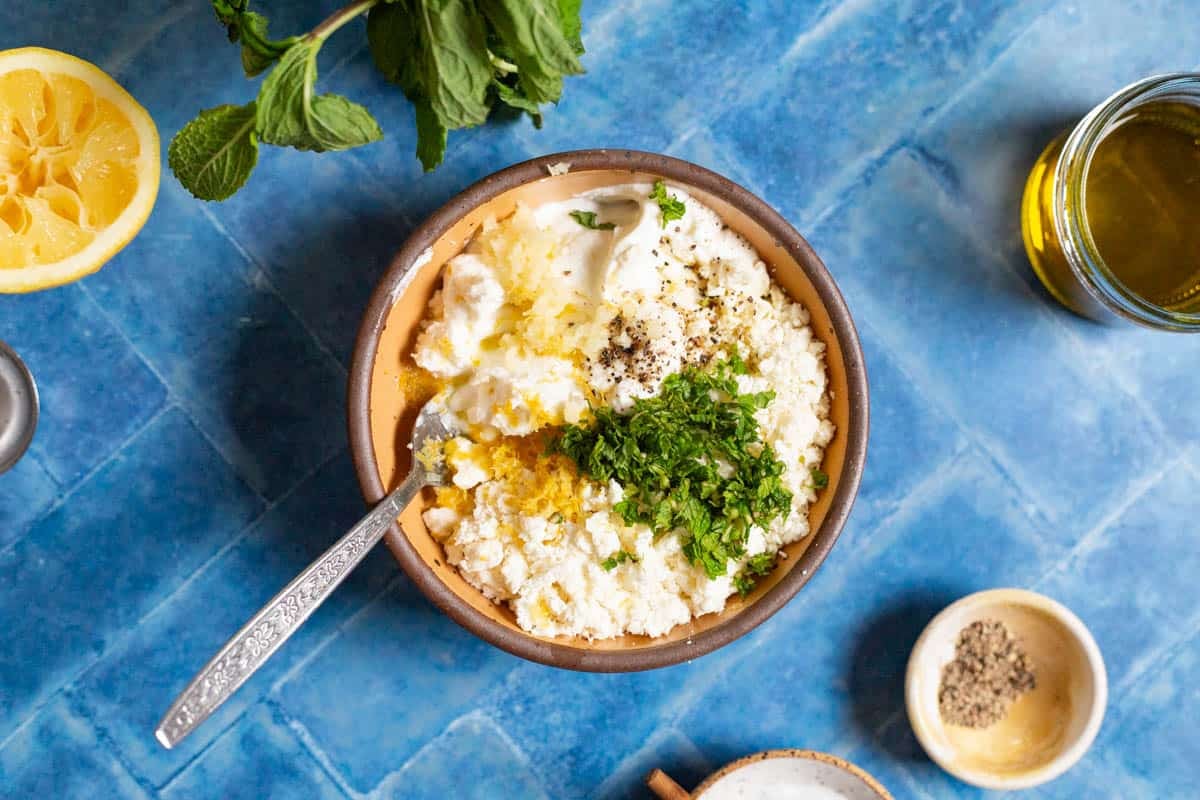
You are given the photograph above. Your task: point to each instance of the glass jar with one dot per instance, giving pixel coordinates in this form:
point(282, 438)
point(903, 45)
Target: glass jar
point(1054, 220)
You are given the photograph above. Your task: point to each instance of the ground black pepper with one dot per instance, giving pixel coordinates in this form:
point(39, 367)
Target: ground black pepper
point(988, 673)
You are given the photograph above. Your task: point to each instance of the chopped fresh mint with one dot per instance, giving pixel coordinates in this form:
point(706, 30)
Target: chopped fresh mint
point(755, 568)
point(670, 205)
point(819, 478)
point(619, 557)
point(588, 220)
point(689, 460)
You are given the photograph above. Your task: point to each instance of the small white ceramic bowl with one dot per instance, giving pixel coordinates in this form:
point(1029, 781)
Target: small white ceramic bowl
point(777, 774)
point(1047, 730)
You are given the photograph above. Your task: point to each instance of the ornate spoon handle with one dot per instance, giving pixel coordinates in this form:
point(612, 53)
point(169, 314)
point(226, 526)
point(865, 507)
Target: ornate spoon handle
point(250, 647)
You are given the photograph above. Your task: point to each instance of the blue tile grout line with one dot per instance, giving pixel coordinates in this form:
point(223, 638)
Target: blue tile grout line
point(1095, 535)
point(68, 492)
point(314, 750)
point(197, 574)
point(234, 541)
point(261, 274)
point(80, 711)
point(307, 745)
point(1053, 316)
point(172, 397)
point(334, 634)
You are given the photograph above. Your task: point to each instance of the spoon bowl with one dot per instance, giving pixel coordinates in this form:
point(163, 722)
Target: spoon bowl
point(18, 407)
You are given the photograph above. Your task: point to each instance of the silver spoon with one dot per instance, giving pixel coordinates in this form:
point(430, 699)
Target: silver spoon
point(18, 407)
point(259, 638)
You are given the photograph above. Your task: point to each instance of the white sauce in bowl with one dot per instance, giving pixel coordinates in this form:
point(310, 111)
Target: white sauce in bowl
point(790, 779)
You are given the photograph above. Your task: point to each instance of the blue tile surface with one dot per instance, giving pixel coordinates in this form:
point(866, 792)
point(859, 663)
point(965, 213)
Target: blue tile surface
point(128, 689)
point(1136, 625)
point(191, 456)
point(399, 647)
point(257, 758)
point(85, 575)
point(230, 351)
point(96, 391)
point(906, 255)
point(27, 492)
point(57, 754)
point(496, 768)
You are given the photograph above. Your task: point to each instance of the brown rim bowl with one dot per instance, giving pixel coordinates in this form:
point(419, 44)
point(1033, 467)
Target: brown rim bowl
point(862, 778)
point(380, 419)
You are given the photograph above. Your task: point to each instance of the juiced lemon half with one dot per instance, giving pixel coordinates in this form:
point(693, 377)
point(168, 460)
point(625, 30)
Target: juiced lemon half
point(79, 168)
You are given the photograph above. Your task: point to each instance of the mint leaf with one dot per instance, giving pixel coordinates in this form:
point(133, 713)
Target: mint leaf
point(671, 206)
point(532, 32)
point(431, 136)
point(453, 61)
point(689, 460)
point(282, 98)
point(572, 25)
point(394, 41)
point(588, 220)
point(513, 98)
point(755, 568)
point(619, 557)
point(819, 478)
point(289, 115)
point(214, 154)
point(337, 123)
point(258, 50)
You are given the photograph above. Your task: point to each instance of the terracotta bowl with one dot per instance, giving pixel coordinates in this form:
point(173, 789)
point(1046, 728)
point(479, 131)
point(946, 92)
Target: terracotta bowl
point(381, 416)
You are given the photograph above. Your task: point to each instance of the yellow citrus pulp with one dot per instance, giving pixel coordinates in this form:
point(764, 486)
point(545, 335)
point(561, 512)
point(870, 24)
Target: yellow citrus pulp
point(79, 168)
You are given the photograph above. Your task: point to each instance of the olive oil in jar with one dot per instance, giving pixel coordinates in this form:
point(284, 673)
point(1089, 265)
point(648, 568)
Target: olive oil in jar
point(1124, 189)
point(1142, 203)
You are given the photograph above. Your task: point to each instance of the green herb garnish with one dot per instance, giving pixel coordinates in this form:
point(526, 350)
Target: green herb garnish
point(588, 220)
point(619, 557)
point(455, 60)
point(691, 460)
point(819, 478)
point(670, 205)
point(755, 568)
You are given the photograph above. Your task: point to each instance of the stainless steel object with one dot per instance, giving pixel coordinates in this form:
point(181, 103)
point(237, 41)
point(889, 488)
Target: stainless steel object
point(18, 407)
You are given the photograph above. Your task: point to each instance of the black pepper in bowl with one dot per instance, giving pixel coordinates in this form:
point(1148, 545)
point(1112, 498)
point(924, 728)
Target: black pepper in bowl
point(988, 673)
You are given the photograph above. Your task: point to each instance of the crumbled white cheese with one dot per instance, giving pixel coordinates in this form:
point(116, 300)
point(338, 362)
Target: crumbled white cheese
point(541, 315)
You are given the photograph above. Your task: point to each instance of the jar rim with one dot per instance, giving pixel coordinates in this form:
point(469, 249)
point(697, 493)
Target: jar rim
point(1074, 233)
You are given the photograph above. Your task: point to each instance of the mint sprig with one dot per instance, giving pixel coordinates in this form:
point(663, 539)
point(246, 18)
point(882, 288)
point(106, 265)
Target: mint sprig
point(453, 59)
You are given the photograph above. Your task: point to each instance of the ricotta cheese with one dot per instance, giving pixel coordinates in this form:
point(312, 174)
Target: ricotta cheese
point(541, 318)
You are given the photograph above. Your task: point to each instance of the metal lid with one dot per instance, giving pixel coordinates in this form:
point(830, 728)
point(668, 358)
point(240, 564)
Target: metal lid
point(18, 407)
